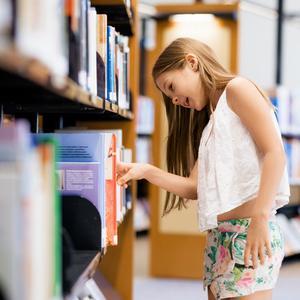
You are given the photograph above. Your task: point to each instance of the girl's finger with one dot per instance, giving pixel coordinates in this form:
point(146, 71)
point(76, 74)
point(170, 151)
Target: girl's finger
point(123, 180)
point(254, 256)
point(247, 256)
point(261, 254)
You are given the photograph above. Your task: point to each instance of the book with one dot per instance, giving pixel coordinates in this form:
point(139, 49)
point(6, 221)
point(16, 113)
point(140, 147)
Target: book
point(110, 188)
point(30, 255)
point(92, 48)
point(102, 56)
point(127, 158)
point(83, 34)
point(81, 170)
point(145, 115)
point(72, 10)
point(110, 69)
point(37, 36)
point(6, 24)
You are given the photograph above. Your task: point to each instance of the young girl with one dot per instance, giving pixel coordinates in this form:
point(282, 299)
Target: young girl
point(225, 150)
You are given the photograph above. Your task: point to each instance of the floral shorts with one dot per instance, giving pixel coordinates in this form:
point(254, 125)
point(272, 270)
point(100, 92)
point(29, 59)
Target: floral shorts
point(224, 269)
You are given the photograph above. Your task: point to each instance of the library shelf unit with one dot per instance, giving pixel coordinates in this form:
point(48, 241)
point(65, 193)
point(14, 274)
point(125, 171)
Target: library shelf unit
point(29, 90)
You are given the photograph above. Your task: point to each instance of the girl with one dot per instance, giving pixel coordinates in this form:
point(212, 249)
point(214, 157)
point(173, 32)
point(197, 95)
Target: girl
point(225, 150)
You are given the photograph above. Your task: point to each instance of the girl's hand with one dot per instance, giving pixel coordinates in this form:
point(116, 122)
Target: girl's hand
point(258, 239)
point(130, 171)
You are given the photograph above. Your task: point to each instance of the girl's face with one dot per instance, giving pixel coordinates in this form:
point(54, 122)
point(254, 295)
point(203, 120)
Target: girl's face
point(184, 86)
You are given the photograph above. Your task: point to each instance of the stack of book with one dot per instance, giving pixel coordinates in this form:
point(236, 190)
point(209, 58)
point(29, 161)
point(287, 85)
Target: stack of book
point(30, 252)
point(87, 168)
point(79, 44)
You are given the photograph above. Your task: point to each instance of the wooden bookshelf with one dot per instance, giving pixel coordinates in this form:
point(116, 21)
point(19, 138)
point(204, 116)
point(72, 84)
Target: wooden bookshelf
point(62, 95)
point(175, 254)
point(29, 87)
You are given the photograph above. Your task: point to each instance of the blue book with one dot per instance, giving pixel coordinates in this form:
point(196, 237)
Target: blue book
point(81, 167)
point(111, 82)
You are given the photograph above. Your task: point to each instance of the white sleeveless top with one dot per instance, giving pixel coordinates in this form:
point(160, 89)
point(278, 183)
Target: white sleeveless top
point(229, 167)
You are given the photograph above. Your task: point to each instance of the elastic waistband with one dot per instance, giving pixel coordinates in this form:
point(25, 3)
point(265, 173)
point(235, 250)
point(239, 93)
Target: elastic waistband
point(237, 225)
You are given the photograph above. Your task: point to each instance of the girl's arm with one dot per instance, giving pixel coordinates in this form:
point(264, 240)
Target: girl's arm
point(185, 187)
point(253, 110)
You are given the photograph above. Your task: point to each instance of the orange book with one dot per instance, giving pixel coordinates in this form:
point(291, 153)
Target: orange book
point(110, 189)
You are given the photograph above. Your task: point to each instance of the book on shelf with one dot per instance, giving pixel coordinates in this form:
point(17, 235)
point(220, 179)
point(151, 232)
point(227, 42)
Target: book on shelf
point(287, 103)
point(37, 36)
point(6, 23)
point(110, 182)
point(72, 20)
point(292, 150)
point(127, 196)
point(87, 168)
point(145, 115)
point(30, 238)
point(121, 155)
point(79, 44)
point(144, 150)
point(102, 56)
point(80, 169)
point(291, 233)
point(83, 55)
point(110, 70)
point(92, 48)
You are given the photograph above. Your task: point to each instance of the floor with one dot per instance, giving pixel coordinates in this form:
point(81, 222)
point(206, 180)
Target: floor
point(147, 288)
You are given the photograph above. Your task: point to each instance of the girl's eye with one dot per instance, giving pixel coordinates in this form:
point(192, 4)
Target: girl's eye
point(171, 87)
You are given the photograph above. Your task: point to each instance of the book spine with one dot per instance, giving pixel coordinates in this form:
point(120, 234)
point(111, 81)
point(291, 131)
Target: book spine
point(102, 56)
point(111, 95)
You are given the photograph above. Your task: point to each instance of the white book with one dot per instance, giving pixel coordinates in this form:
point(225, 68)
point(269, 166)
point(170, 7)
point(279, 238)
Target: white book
point(283, 96)
point(92, 76)
point(38, 36)
point(11, 256)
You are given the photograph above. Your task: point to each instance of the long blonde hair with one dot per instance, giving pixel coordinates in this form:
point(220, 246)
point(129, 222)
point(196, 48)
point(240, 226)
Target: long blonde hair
point(185, 125)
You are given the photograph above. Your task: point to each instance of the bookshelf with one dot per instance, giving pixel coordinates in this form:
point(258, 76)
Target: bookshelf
point(31, 90)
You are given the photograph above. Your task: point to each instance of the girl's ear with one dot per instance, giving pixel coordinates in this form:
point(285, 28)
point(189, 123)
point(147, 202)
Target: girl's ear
point(192, 61)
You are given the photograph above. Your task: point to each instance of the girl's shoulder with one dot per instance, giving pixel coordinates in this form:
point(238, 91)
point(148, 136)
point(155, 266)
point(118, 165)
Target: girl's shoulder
point(239, 85)
point(240, 92)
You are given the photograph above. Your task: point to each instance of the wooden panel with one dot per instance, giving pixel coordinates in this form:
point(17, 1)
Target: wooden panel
point(165, 9)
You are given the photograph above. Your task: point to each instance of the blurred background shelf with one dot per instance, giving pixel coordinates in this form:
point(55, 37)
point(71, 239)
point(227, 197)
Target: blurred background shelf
point(119, 14)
